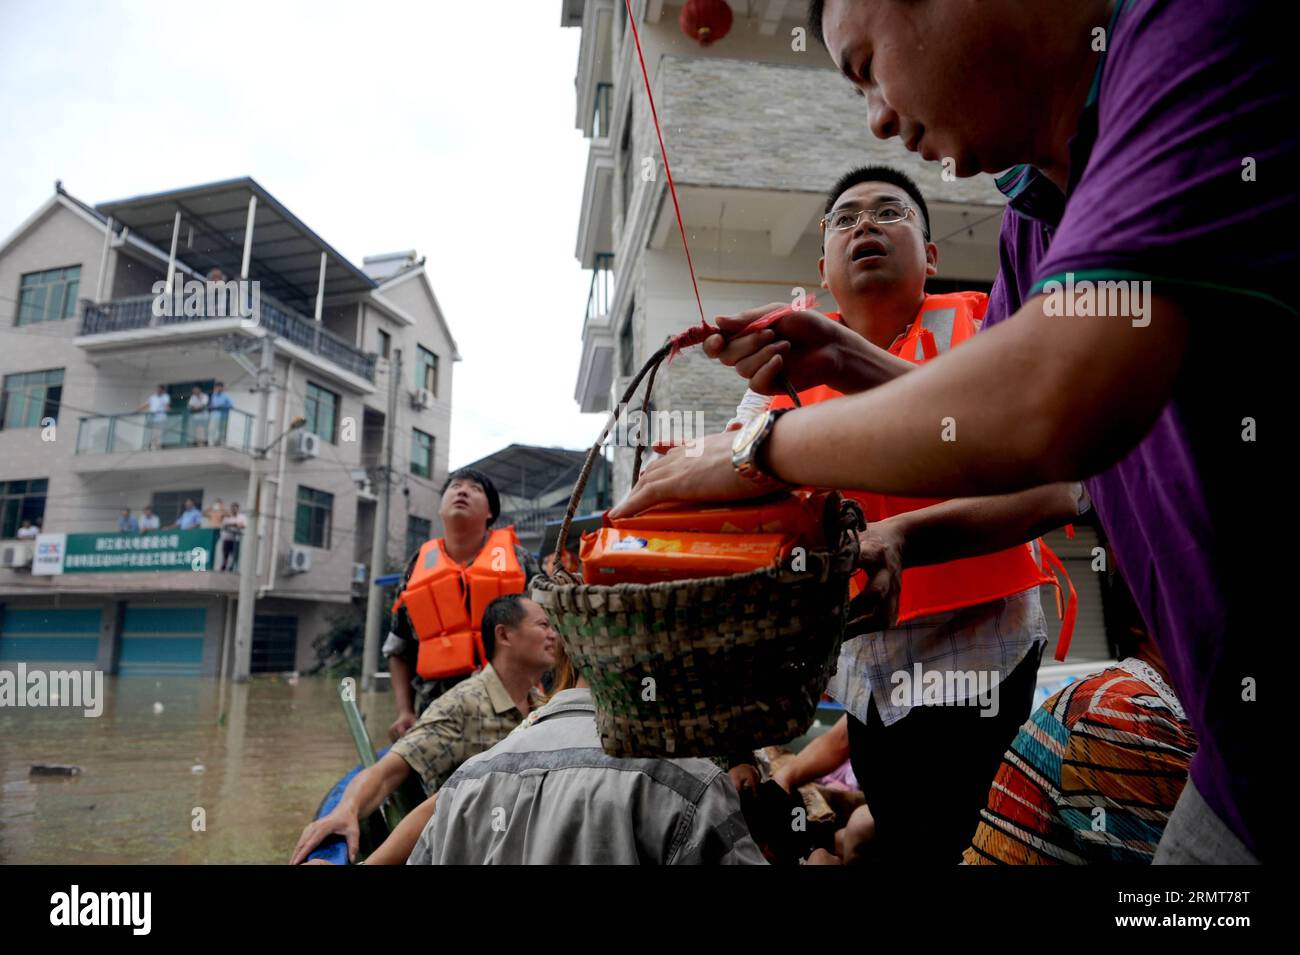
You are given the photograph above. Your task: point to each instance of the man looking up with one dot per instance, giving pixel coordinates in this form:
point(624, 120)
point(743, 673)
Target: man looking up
point(925, 769)
point(447, 585)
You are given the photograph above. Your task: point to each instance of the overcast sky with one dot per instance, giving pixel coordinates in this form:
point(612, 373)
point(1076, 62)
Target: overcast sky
point(382, 125)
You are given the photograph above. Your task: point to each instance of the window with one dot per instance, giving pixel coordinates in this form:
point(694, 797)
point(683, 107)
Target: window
point(625, 151)
point(385, 344)
point(314, 517)
point(21, 501)
point(48, 296)
point(418, 530)
point(29, 398)
point(426, 370)
point(321, 411)
point(421, 453)
point(626, 344)
point(167, 505)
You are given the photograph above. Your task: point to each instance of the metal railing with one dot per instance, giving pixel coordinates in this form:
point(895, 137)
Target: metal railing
point(157, 431)
point(601, 294)
point(126, 314)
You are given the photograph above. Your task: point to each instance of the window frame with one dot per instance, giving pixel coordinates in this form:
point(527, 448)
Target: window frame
point(416, 434)
point(14, 508)
point(311, 409)
point(426, 369)
point(65, 286)
point(49, 407)
point(317, 500)
point(412, 544)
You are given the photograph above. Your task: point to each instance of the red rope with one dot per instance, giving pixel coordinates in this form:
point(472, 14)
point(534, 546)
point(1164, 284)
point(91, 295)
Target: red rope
point(654, 114)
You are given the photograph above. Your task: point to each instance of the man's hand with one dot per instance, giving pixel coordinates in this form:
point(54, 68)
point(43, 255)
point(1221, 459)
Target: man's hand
point(405, 720)
point(809, 347)
point(335, 823)
point(880, 554)
point(700, 471)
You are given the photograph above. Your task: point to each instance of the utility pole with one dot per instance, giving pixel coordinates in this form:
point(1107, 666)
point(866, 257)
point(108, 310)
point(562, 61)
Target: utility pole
point(379, 539)
point(248, 551)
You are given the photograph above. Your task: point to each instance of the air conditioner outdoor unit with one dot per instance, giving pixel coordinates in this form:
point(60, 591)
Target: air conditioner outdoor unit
point(299, 560)
point(365, 491)
point(16, 555)
point(359, 573)
point(422, 398)
point(306, 444)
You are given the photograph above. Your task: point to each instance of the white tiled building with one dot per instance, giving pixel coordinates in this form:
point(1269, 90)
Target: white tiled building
point(82, 348)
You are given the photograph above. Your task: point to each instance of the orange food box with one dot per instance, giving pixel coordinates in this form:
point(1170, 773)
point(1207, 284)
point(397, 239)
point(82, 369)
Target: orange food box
point(614, 555)
point(798, 516)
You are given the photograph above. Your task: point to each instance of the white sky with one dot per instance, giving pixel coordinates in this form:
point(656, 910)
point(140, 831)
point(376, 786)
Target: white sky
point(382, 125)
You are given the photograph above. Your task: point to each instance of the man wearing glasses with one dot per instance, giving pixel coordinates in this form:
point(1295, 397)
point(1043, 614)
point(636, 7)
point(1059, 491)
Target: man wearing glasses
point(924, 761)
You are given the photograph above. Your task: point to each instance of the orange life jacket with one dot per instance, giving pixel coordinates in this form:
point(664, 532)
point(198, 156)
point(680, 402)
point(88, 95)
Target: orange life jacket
point(445, 601)
point(944, 322)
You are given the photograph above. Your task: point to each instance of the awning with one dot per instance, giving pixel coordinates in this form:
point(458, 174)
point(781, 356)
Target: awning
point(285, 254)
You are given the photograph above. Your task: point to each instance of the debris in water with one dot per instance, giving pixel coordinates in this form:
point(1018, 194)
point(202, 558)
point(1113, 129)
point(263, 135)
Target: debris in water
point(157, 708)
point(198, 768)
point(54, 769)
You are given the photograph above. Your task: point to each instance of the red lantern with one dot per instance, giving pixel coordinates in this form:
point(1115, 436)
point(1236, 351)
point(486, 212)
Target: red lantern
point(706, 21)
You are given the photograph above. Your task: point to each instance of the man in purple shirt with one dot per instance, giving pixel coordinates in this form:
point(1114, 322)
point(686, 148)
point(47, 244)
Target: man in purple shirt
point(1148, 303)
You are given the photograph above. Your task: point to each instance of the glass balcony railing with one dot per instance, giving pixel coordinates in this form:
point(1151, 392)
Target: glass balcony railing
point(127, 314)
point(601, 293)
point(148, 431)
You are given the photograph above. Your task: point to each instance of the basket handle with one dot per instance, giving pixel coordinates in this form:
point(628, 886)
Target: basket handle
point(651, 368)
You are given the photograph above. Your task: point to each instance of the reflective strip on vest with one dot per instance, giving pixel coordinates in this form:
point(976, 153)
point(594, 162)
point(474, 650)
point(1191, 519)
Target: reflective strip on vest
point(944, 322)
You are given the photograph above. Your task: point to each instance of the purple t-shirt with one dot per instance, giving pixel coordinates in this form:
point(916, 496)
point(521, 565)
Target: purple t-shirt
point(1182, 173)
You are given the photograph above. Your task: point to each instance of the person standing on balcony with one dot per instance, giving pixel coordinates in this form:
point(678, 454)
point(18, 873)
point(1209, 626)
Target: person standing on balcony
point(191, 517)
point(219, 406)
point(447, 584)
point(232, 532)
point(27, 531)
point(126, 524)
point(198, 408)
point(149, 521)
point(157, 405)
point(216, 514)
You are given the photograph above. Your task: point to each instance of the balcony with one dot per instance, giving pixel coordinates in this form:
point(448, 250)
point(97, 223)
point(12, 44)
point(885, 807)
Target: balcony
point(179, 441)
point(596, 366)
point(135, 314)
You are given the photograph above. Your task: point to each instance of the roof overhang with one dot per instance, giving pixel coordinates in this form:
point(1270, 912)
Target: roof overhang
point(285, 255)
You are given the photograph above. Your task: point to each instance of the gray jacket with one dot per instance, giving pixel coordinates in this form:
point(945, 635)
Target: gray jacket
point(548, 794)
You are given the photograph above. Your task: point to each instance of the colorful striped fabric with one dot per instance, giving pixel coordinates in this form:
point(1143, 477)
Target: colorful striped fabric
point(1091, 777)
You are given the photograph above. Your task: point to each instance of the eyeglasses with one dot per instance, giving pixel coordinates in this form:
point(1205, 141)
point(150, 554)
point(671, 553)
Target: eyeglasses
point(843, 220)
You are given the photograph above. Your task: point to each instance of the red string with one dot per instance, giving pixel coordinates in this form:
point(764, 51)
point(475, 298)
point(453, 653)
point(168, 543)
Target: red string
point(697, 333)
point(631, 17)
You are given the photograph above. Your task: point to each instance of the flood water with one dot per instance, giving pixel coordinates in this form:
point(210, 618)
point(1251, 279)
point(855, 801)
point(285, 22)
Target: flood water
point(259, 774)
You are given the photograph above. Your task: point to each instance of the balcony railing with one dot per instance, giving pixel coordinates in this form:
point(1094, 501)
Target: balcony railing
point(151, 431)
point(127, 314)
point(601, 293)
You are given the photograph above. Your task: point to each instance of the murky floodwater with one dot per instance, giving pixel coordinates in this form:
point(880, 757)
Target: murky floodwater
point(264, 770)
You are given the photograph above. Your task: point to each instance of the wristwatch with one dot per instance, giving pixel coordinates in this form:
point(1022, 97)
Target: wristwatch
point(747, 447)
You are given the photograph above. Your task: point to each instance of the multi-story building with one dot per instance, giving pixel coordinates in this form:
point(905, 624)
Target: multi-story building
point(757, 127)
point(86, 340)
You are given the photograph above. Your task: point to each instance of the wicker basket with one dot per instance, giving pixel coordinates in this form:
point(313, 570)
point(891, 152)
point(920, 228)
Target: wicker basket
point(705, 667)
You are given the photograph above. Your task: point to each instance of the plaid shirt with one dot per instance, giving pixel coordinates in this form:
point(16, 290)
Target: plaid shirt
point(470, 718)
point(992, 637)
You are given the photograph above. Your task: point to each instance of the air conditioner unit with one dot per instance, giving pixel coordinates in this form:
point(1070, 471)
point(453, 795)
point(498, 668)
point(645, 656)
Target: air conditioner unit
point(16, 555)
point(298, 560)
point(421, 399)
point(306, 444)
point(365, 491)
point(359, 573)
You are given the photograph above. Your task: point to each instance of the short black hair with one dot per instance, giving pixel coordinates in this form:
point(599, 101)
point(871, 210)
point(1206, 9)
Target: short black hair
point(815, 10)
point(483, 481)
point(506, 611)
point(881, 174)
